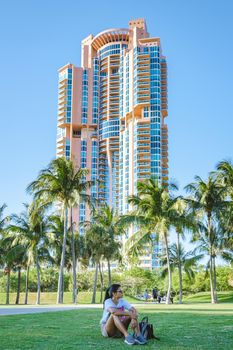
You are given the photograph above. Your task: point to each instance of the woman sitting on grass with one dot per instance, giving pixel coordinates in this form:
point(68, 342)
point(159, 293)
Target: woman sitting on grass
point(118, 314)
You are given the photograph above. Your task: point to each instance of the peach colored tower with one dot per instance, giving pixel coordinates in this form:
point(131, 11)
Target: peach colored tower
point(111, 113)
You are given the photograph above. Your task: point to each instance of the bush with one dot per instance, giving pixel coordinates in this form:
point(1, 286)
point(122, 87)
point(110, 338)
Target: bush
point(134, 281)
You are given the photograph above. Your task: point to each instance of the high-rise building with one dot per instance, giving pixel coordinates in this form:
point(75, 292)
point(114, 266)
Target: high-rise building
point(111, 114)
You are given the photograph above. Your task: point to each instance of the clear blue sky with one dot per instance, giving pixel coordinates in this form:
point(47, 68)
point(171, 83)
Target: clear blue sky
point(39, 36)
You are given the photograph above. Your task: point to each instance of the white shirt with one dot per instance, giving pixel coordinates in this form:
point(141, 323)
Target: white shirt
point(122, 305)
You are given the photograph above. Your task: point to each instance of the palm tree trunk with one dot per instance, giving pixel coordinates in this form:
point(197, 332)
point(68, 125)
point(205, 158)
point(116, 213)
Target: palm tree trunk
point(26, 286)
point(62, 263)
point(211, 259)
point(211, 281)
point(8, 286)
point(109, 274)
point(215, 282)
point(179, 269)
point(62, 290)
point(169, 287)
point(18, 286)
point(101, 282)
point(38, 279)
point(73, 260)
point(181, 285)
point(95, 284)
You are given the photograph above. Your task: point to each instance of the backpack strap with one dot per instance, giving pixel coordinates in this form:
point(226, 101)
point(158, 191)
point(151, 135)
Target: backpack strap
point(145, 319)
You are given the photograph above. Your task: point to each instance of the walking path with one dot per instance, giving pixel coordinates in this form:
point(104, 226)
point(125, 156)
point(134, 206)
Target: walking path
point(29, 309)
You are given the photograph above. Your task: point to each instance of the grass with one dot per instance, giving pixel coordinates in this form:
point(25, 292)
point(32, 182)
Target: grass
point(223, 297)
point(180, 327)
point(85, 298)
point(51, 297)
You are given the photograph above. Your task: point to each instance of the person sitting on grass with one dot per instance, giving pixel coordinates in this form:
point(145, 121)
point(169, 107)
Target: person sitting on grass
point(118, 314)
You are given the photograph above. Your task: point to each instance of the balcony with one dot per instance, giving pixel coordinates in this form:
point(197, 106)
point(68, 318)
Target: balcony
point(114, 93)
point(142, 144)
point(143, 72)
point(114, 82)
point(141, 79)
point(114, 102)
point(143, 66)
point(103, 83)
point(143, 89)
point(143, 151)
point(143, 139)
point(114, 99)
point(61, 94)
point(143, 126)
point(144, 164)
point(62, 82)
point(144, 171)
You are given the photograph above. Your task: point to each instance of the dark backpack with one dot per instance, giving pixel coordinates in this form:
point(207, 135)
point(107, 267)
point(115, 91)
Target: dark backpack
point(146, 329)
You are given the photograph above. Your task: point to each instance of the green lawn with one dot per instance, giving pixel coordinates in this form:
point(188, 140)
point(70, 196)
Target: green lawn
point(85, 298)
point(223, 297)
point(180, 327)
point(50, 298)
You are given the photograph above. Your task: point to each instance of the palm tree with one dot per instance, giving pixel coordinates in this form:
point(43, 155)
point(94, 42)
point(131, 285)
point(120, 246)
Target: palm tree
point(61, 183)
point(2, 227)
point(225, 175)
point(154, 212)
point(188, 221)
point(219, 247)
point(29, 231)
point(207, 202)
point(6, 258)
point(113, 228)
point(3, 220)
point(55, 234)
point(137, 250)
point(183, 261)
point(19, 262)
point(11, 258)
point(95, 238)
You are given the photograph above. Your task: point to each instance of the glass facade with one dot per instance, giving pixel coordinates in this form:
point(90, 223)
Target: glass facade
point(114, 106)
point(84, 96)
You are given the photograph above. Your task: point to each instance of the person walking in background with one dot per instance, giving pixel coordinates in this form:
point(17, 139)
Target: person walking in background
point(154, 294)
point(118, 314)
point(159, 297)
point(146, 295)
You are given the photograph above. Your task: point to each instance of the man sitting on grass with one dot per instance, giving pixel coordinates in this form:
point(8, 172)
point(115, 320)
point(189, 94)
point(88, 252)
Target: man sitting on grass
point(118, 314)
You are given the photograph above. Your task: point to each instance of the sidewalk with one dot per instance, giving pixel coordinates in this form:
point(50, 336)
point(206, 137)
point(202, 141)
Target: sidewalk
point(29, 309)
